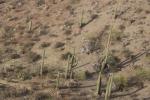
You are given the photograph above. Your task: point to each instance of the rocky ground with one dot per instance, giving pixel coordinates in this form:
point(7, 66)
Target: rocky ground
point(36, 32)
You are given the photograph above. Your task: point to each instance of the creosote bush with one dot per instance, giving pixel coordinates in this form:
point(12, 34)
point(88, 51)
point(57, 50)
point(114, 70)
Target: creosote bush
point(33, 57)
point(143, 74)
point(121, 82)
point(42, 96)
point(135, 81)
point(65, 55)
point(147, 57)
point(40, 2)
point(112, 60)
point(91, 44)
point(82, 75)
point(12, 92)
point(25, 75)
point(53, 70)
point(127, 53)
point(44, 45)
point(116, 35)
point(59, 45)
point(111, 63)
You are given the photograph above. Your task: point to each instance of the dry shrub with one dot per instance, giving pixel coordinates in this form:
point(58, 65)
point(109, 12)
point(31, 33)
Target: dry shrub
point(33, 57)
point(42, 96)
point(11, 92)
point(121, 82)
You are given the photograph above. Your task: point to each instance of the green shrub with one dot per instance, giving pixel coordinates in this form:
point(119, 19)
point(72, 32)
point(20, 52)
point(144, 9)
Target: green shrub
point(112, 60)
point(116, 35)
point(121, 82)
point(43, 96)
point(82, 75)
point(143, 74)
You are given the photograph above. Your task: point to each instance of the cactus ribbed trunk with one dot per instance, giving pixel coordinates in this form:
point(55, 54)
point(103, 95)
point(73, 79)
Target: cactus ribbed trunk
point(68, 68)
point(72, 62)
point(81, 21)
point(108, 88)
point(58, 81)
point(42, 65)
point(30, 26)
point(99, 84)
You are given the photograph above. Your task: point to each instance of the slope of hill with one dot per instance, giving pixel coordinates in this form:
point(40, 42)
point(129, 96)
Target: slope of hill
point(36, 32)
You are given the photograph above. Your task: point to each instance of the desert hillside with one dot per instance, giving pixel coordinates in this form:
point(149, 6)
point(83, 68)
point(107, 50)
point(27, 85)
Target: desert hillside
point(59, 49)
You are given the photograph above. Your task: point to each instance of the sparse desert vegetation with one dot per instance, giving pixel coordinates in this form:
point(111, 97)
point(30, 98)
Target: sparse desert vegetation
point(74, 49)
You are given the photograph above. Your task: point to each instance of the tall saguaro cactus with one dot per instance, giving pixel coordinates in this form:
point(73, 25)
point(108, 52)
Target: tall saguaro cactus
point(102, 66)
point(58, 81)
point(81, 21)
point(42, 64)
point(30, 26)
point(106, 57)
point(99, 84)
point(109, 87)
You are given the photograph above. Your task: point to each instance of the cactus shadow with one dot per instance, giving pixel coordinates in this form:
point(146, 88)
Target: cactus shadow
point(127, 94)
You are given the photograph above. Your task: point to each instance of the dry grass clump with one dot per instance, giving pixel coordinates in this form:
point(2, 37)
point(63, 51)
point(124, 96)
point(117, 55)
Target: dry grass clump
point(75, 1)
point(147, 57)
point(24, 75)
point(143, 74)
point(127, 53)
point(121, 82)
point(82, 75)
point(25, 47)
point(134, 81)
point(12, 92)
point(59, 45)
point(15, 56)
point(7, 32)
point(52, 71)
point(117, 35)
point(16, 72)
point(40, 2)
point(65, 55)
point(8, 53)
point(68, 32)
point(44, 45)
point(42, 96)
point(91, 44)
point(71, 83)
point(32, 57)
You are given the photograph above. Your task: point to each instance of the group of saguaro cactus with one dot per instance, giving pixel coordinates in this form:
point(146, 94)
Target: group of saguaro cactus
point(103, 65)
point(99, 84)
point(72, 63)
point(99, 81)
point(110, 80)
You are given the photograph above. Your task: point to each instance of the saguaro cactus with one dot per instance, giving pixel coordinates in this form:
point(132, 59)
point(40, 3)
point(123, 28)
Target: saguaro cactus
point(109, 87)
point(103, 65)
point(42, 64)
point(99, 84)
point(81, 21)
point(30, 26)
point(58, 81)
point(72, 62)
